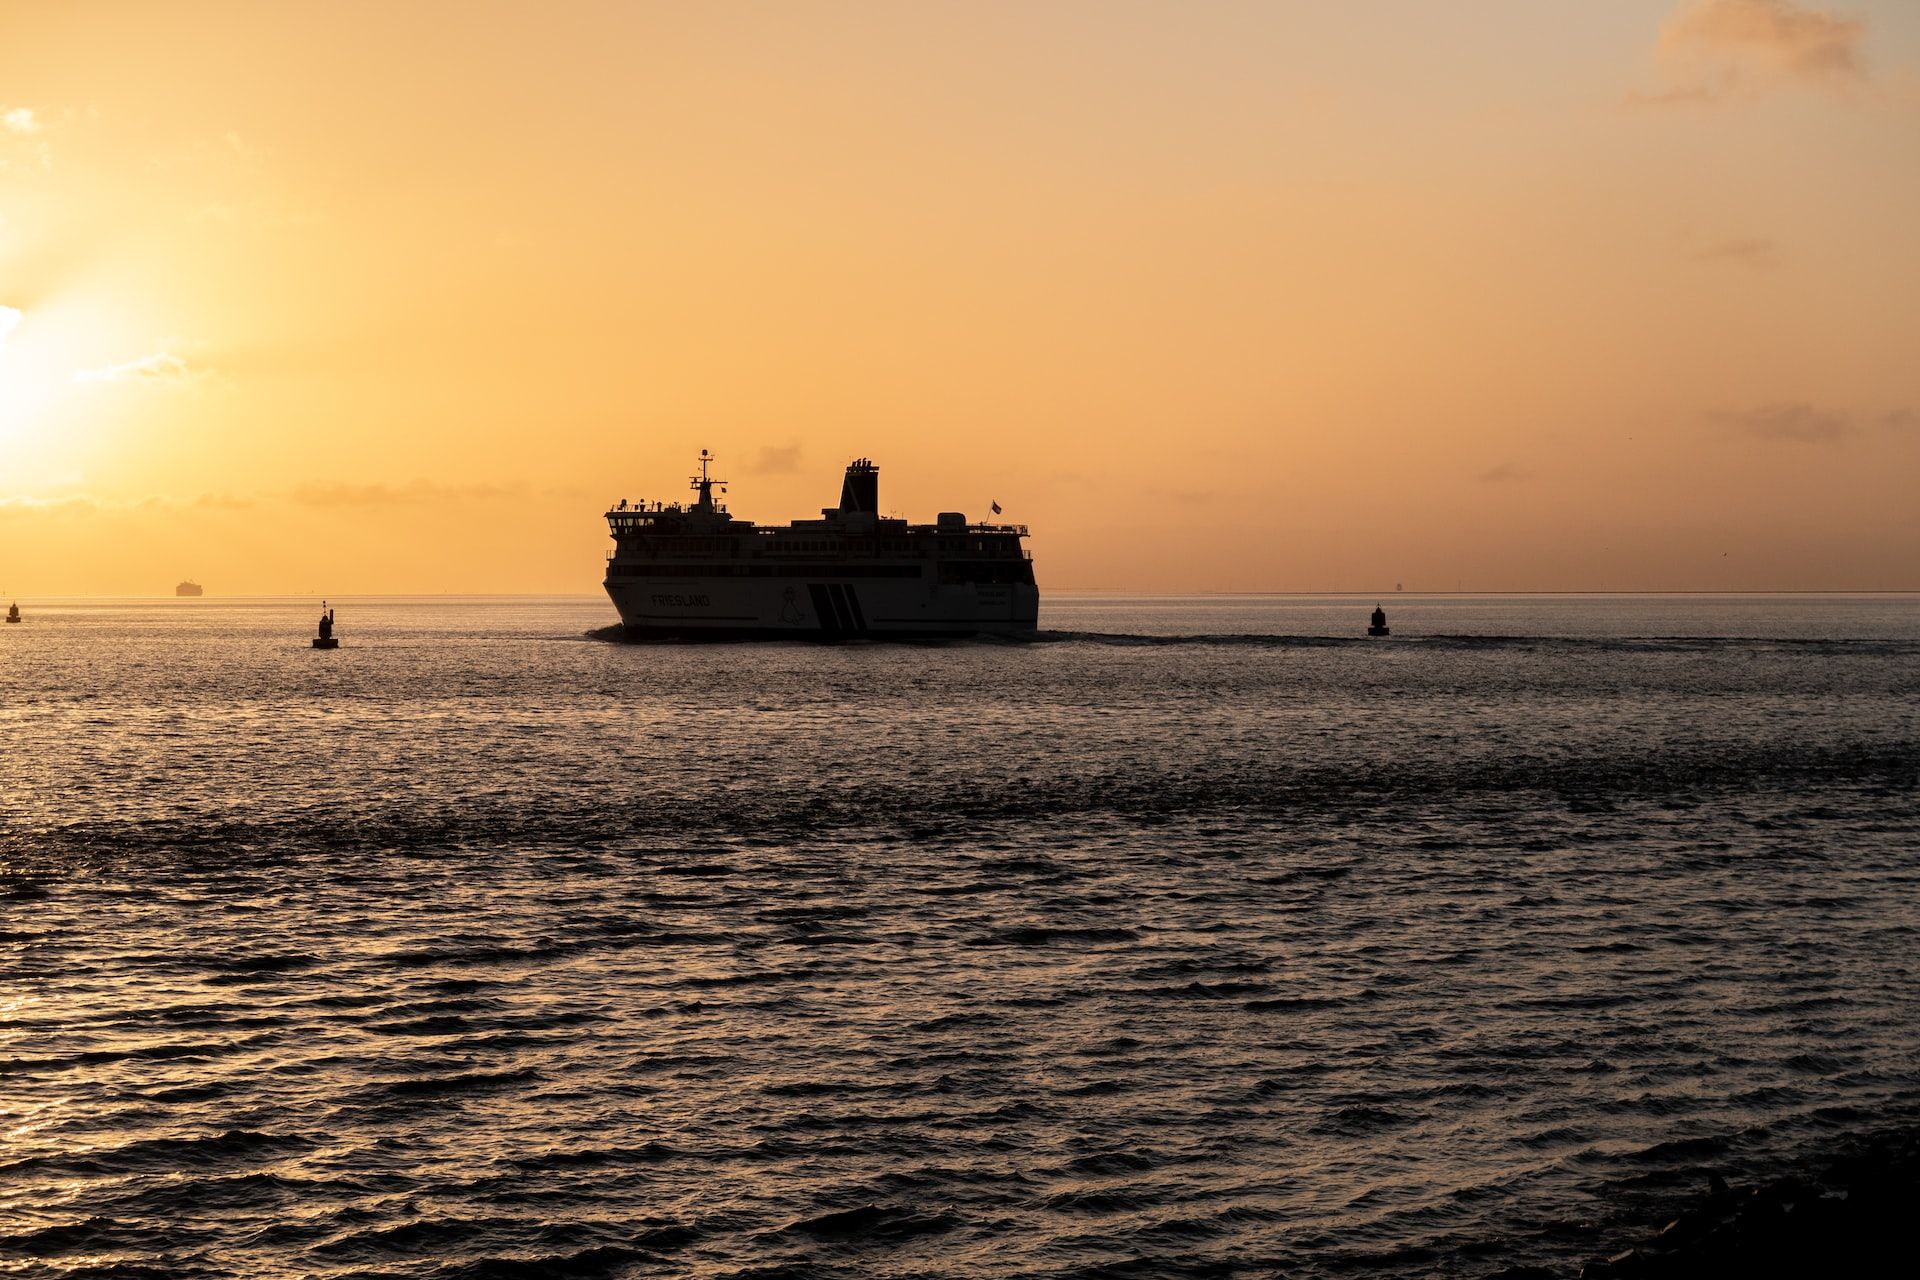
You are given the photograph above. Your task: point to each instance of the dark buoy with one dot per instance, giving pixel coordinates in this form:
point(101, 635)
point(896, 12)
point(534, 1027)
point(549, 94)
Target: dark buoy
point(13, 612)
point(325, 640)
point(1378, 627)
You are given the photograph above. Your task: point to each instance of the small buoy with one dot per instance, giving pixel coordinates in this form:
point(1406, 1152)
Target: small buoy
point(326, 639)
point(1378, 626)
point(13, 612)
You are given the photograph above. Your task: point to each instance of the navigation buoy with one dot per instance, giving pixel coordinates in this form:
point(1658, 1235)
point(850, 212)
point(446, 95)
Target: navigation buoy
point(326, 639)
point(13, 612)
point(1378, 627)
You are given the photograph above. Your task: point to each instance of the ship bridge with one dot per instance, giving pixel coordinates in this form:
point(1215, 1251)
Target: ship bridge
point(627, 519)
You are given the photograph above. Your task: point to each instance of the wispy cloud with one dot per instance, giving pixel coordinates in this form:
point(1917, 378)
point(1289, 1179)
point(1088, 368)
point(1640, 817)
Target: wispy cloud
point(245, 152)
point(85, 504)
point(1901, 420)
point(25, 129)
point(1795, 423)
point(415, 493)
point(223, 502)
point(771, 461)
point(254, 215)
point(322, 497)
point(1801, 40)
point(1504, 473)
point(1695, 95)
point(19, 506)
point(1761, 255)
point(162, 367)
point(1714, 50)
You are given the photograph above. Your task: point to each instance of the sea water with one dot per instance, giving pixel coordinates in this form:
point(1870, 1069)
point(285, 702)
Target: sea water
point(1199, 937)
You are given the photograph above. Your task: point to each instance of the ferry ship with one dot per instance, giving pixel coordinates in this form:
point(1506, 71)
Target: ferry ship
point(695, 572)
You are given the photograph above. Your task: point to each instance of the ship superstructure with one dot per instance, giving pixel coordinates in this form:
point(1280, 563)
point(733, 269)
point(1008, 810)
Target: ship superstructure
point(696, 572)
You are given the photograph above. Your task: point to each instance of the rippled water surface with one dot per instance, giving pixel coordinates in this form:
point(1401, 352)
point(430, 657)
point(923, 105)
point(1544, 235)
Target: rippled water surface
point(1199, 937)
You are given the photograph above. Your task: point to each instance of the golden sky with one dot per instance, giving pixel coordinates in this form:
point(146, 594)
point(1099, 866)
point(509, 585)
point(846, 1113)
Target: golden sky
point(1493, 294)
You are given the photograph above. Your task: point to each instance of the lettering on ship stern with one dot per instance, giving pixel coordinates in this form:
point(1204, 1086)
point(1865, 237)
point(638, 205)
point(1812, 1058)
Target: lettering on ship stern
point(676, 601)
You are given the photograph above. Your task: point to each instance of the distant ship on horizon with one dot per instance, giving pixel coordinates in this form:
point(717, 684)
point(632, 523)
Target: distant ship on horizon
point(189, 589)
point(696, 572)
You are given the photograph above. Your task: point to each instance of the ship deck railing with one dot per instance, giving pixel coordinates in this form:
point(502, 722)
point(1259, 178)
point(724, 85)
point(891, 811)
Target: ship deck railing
point(947, 531)
point(780, 530)
point(822, 556)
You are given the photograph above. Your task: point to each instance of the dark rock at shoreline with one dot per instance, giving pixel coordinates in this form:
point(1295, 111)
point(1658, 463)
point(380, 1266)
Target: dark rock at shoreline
point(1846, 1219)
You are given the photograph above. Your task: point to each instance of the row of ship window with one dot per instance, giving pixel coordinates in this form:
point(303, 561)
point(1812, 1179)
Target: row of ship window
point(838, 569)
point(825, 546)
point(948, 571)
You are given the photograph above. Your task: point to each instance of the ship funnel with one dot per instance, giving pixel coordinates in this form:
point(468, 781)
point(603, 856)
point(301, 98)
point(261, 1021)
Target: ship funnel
point(860, 491)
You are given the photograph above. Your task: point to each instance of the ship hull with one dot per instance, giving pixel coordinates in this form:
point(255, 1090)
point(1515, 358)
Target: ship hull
point(682, 608)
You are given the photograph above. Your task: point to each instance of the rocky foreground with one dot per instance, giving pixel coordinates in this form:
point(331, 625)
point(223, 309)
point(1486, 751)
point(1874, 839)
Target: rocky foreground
point(1854, 1215)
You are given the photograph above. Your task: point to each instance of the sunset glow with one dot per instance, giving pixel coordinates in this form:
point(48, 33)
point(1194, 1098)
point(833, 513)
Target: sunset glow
point(1513, 295)
point(959, 639)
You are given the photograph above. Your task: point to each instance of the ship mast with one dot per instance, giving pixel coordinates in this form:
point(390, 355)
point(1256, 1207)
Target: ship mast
point(703, 484)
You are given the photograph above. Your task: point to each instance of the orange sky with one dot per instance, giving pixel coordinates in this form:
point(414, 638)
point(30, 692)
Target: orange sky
point(1497, 294)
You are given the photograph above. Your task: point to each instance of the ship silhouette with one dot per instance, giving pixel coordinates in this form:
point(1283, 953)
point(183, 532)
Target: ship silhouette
point(697, 572)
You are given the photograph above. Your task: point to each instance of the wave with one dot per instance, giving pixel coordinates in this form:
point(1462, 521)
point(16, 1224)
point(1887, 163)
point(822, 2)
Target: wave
point(1443, 641)
point(933, 809)
point(874, 1222)
point(1812, 645)
point(458, 1083)
point(163, 1155)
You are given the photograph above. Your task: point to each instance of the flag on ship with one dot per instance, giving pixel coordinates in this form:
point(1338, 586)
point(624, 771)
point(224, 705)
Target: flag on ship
point(996, 507)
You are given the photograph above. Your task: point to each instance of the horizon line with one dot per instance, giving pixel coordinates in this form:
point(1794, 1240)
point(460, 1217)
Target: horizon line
point(1070, 591)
